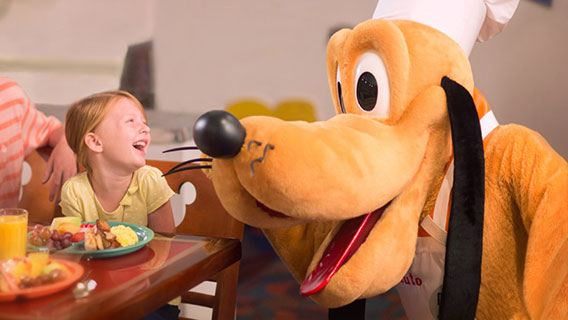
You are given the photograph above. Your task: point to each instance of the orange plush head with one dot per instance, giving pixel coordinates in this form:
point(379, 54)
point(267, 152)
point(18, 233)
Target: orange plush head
point(385, 154)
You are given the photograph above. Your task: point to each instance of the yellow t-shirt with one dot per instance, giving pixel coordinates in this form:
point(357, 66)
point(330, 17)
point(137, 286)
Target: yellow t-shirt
point(147, 192)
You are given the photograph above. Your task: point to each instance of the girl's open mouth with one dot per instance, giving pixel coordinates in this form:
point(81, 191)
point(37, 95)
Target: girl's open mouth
point(140, 145)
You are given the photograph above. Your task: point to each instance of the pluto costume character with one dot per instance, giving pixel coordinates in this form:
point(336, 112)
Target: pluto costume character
point(358, 204)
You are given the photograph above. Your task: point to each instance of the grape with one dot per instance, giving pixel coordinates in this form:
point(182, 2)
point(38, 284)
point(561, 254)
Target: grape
point(45, 233)
point(65, 243)
point(67, 235)
point(38, 227)
point(50, 244)
point(57, 245)
point(36, 240)
point(55, 235)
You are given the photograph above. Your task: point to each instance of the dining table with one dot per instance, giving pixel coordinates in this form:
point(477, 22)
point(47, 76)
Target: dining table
point(131, 285)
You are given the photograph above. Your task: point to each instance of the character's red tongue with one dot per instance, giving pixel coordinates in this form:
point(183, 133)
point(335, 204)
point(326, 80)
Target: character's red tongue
point(348, 239)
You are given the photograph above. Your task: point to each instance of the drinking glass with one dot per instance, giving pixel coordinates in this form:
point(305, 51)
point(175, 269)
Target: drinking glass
point(13, 232)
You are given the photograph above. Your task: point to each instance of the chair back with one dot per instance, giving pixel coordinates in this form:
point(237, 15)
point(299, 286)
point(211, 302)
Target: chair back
point(35, 194)
point(205, 216)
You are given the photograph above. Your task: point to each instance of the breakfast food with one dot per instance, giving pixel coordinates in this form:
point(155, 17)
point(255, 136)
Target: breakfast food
point(34, 270)
point(102, 236)
point(96, 236)
point(124, 235)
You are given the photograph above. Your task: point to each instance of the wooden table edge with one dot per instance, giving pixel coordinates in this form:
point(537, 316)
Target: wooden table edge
point(161, 294)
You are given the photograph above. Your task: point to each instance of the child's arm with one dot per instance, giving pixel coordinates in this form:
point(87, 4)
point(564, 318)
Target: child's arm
point(61, 164)
point(162, 220)
point(157, 192)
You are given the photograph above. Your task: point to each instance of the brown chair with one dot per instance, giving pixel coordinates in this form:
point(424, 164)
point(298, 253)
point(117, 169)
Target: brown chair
point(204, 217)
point(207, 217)
point(35, 195)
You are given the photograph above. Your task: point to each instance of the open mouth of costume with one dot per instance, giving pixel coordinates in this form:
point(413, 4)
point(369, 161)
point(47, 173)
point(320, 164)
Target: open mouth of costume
point(347, 240)
point(345, 243)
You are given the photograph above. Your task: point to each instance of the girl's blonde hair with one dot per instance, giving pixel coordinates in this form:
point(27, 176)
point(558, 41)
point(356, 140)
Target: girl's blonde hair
point(85, 115)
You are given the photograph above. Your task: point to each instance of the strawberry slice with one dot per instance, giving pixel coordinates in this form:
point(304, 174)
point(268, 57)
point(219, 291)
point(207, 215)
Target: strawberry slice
point(78, 237)
point(348, 239)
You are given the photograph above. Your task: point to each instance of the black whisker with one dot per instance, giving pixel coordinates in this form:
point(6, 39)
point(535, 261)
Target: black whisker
point(181, 148)
point(186, 168)
point(190, 161)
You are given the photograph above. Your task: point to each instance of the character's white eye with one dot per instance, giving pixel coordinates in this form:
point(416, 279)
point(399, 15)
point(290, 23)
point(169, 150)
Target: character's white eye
point(372, 85)
point(339, 93)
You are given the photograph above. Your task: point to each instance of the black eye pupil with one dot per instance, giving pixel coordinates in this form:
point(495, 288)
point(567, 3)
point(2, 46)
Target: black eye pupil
point(367, 91)
point(340, 96)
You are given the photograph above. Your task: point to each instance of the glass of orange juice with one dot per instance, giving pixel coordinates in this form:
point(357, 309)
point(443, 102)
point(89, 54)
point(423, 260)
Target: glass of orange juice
point(13, 232)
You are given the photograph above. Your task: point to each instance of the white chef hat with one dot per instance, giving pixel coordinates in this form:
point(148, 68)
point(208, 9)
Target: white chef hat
point(465, 21)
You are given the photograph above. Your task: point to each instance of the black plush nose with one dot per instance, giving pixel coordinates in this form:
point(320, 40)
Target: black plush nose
point(218, 134)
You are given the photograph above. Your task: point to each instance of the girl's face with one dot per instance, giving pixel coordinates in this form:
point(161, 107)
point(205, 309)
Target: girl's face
point(124, 135)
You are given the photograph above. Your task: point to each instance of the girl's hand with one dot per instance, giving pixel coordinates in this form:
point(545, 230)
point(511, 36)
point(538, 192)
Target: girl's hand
point(61, 165)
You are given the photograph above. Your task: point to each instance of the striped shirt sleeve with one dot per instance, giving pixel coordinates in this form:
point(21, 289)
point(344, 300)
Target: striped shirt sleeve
point(36, 126)
point(22, 130)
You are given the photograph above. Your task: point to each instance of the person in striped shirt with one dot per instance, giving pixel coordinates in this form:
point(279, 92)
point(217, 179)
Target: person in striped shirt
point(22, 130)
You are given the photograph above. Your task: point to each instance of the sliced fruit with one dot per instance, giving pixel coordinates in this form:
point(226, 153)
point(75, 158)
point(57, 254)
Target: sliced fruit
point(38, 261)
point(68, 227)
point(78, 237)
point(59, 220)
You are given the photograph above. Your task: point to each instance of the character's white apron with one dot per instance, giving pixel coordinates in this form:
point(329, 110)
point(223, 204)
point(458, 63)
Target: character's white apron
point(420, 289)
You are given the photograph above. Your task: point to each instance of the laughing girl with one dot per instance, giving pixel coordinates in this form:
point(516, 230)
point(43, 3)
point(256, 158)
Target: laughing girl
point(110, 136)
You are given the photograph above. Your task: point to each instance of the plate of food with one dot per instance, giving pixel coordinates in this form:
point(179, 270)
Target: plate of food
point(36, 275)
point(92, 239)
point(112, 239)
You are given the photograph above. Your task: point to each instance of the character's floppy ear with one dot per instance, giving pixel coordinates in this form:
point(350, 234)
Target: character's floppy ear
point(462, 274)
point(93, 142)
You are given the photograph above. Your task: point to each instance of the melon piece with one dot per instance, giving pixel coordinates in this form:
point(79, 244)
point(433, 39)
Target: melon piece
point(38, 261)
point(68, 227)
point(59, 220)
